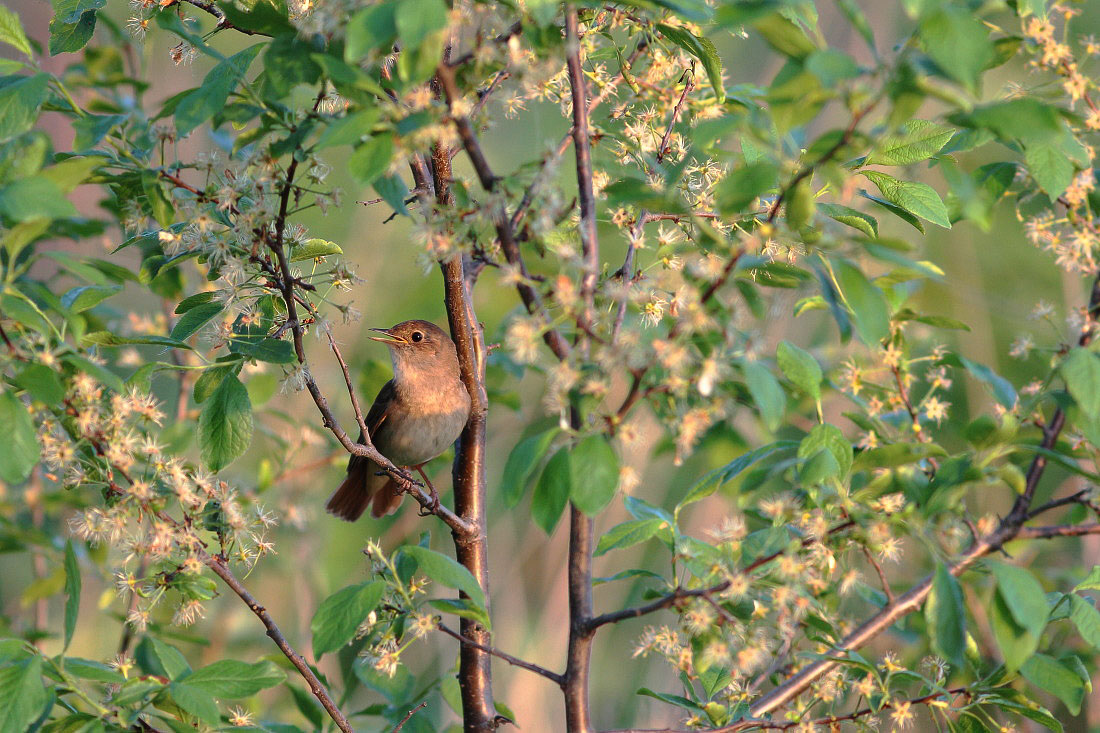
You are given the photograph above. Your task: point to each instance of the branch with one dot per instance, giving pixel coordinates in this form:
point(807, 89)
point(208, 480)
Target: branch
point(223, 23)
point(513, 30)
point(221, 569)
point(514, 661)
point(399, 726)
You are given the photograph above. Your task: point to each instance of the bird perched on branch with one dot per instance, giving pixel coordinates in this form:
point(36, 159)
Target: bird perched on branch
point(415, 416)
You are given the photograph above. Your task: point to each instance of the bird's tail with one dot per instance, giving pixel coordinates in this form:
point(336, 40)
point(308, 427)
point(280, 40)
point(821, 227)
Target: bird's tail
point(362, 484)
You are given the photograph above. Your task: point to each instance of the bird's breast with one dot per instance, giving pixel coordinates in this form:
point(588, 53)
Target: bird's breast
point(427, 421)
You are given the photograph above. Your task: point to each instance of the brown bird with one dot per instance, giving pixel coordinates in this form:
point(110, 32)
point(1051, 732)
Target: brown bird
point(415, 416)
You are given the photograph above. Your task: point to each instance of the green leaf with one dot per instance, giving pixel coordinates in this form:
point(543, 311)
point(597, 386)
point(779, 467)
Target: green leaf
point(19, 451)
point(917, 198)
point(192, 301)
point(849, 216)
point(72, 592)
point(1086, 618)
point(1047, 673)
point(714, 480)
point(102, 374)
point(766, 393)
point(67, 36)
point(919, 140)
point(22, 694)
point(445, 570)
point(629, 534)
point(701, 48)
point(1092, 581)
point(1050, 167)
point(415, 20)
point(958, 42)
point(371, 159)
point(827, 437)
point(784, 36)
point(34, 198)
point(210, 98)
point(196, 702)
point(552, 491)
point(232, 678)
point(743, 185)
point(869, 308)
point(106, 338)
point(595, 469)
point(20, 100)
point(372, 28)
point(801, 368)
point(313, 248)
point(1081, 370)
point(195, 318)
point(163, 658)
point(462, 607)
point(338, 617)
point(11, 32)
point(225, 424)
point(1002, 388)
point(945, 616)
point(42, 383)
point(1023, 595)
point(521, 463)
point(85, 297)
point(1016, 642)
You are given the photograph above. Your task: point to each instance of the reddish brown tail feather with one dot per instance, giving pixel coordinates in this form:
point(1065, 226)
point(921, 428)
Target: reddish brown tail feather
point(351, 498)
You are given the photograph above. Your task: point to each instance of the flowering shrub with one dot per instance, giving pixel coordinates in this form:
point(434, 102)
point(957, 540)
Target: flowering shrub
point(792, 506)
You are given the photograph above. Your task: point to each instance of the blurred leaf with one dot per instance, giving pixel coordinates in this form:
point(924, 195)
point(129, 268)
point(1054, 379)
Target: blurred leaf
point(225, 424)
point(19, 451)
point(313, 248)
point(958, 43)
point(849, 216)
point(72, 592)
point(1016, 642)
point(1049, 674)
point(195, 318)
point(1086, 618)
point(828, 438)
point(714, 480)
point(766, 393)
point(22, 694)
point(521, 463)
point(595, 469)
point(1050, 168)
point(371, 159)
point(552, 491)
point(11, 32)
point(209, 98)
point(784, 36)
point(33, 198)
point(917, 198)
point(701, 48)
point(20, 99)
point(1081, 370)
point(42, 383)
point(72, 25)
point(801, 368)
point(415, 20)
point(338, 617)
point(1023, 595)
point(463, 608)
point(869, 308)
point(945, 616)
point(445, 570)
point(372, 28)
point(743, 185)
point(629, 534)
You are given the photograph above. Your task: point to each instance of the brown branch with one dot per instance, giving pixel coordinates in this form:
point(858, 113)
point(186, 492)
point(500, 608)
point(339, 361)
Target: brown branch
point(468, 470)
point(881, 575)
point(223, 23)
point(662, 149)
point(408, 715)
point(221, 569)
point(514, 661)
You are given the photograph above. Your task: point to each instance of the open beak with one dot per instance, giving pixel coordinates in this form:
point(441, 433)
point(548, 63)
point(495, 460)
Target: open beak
point(387, 336)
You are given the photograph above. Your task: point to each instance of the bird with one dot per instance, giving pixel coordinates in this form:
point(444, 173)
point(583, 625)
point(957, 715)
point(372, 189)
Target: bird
point(414, 418)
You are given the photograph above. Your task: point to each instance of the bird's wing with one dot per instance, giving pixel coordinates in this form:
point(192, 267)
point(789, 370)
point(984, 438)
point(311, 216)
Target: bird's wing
point(376, 418)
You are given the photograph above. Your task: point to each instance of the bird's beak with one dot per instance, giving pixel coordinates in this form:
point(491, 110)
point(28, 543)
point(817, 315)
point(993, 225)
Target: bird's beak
point(387, 336)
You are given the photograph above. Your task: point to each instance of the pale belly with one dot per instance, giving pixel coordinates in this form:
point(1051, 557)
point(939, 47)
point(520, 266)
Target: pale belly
point(413, 441)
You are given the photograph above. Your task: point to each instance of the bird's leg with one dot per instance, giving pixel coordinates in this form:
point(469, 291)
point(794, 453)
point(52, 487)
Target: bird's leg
point(434, 507)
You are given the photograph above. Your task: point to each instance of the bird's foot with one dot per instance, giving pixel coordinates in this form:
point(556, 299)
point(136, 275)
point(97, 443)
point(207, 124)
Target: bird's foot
point(432, 507)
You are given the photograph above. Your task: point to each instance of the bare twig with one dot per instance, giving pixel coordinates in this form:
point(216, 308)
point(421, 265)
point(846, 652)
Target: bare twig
point(400, 725)
point(514, 661)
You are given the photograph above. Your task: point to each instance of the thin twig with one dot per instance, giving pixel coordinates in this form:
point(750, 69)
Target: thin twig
point(400, 725)
point(221, 569)
point(514, 661)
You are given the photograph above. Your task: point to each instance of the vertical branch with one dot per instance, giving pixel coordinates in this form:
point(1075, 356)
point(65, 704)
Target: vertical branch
point(468, 472)
point(579, 654)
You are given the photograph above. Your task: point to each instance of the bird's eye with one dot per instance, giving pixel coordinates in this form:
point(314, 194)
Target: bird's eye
point(417, 336)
